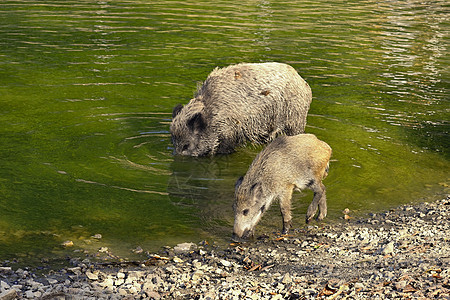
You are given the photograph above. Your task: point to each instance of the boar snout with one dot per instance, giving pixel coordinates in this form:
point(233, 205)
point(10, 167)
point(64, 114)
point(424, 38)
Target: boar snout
point(245, 237)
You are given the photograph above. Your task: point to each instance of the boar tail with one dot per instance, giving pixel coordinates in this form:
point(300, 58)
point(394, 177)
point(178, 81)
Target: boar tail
point(327, 168)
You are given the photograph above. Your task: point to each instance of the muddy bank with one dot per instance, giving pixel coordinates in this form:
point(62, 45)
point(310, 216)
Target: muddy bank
point(401, 253)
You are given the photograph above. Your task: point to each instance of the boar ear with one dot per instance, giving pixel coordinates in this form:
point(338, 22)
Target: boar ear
point(197, 122)
point(238, 182)
point(176, 110)
point(256, 189)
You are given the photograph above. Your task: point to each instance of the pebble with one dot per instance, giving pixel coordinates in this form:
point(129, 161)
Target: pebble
point(388, 249)
point(97, 236)
point(225, 263)
point(91, 275)
point(8, 295)
point(286, 279)
point(29, 294)
point(177, 260)
point(6, 270)
point(184, 247)
point(67, 244)
point(401, 257)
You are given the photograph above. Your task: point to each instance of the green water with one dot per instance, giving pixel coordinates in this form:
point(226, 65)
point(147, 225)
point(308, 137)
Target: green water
point(87, 89)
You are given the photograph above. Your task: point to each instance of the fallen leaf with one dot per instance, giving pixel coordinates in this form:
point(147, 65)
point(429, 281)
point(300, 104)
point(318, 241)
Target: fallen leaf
point(326, 292)
point(409, 289)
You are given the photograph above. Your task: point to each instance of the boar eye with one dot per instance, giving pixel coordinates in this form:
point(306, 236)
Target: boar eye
point(245, 212)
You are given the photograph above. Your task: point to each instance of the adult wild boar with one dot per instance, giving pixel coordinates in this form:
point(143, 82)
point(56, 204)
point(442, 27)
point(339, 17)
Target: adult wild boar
point(288, 163)
point(240, 103)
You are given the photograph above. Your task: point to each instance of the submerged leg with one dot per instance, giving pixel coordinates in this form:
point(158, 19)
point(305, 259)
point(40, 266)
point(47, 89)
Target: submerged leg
point(285, 208)
point(319, 191)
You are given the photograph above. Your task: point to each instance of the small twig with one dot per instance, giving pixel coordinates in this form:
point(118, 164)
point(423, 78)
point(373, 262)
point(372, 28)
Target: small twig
point(267, 267)
point(254, 267)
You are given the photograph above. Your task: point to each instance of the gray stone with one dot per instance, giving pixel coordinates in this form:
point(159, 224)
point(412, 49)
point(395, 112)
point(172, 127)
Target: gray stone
point(148, 286)
point(388, 249)
point(225, 263)
point(6, 270)
point(91, 275)
point(359, 286)
point(9, 295)
point(97, 236)
point(29, 294)
point(4, 285)
point(122, 292)
point(286, 279)
point(184, 247)
point(399, 286)
point(119, 281)
point(153, 295)
point(75, 270)
point(37, 294)
point(177, 260)
point(197, 275)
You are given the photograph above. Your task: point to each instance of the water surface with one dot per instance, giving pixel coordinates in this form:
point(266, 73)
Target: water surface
point(87, 89)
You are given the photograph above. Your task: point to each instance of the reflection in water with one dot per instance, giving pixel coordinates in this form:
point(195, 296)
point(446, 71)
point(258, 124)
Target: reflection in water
point(206, 185)
point(413, 48)
point(263, 33)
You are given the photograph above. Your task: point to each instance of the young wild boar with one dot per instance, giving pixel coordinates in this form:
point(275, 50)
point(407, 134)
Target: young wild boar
point(240, 103)
point(288, 163)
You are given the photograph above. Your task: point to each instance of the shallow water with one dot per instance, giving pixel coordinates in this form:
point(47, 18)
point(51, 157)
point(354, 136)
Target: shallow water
point(87, 89)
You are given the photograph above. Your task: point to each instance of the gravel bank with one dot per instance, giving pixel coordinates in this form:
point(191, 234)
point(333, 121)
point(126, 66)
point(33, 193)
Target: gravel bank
point(402, 253)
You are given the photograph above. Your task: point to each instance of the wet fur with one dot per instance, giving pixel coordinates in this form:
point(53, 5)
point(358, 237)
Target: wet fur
point(240, 103)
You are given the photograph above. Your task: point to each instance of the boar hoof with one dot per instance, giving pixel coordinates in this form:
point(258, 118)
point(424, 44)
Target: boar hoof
point(286, 227)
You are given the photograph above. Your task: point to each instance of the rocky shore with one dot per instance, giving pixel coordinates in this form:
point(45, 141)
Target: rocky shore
point(403, 253)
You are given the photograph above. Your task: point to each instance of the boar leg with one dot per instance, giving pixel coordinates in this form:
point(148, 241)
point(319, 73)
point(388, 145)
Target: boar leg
point(322, 205)
point(319, 191)
point(285, 208)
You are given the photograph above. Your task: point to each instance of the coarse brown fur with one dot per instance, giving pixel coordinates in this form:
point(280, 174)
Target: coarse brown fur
point(240, 103)
point(288, 163)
